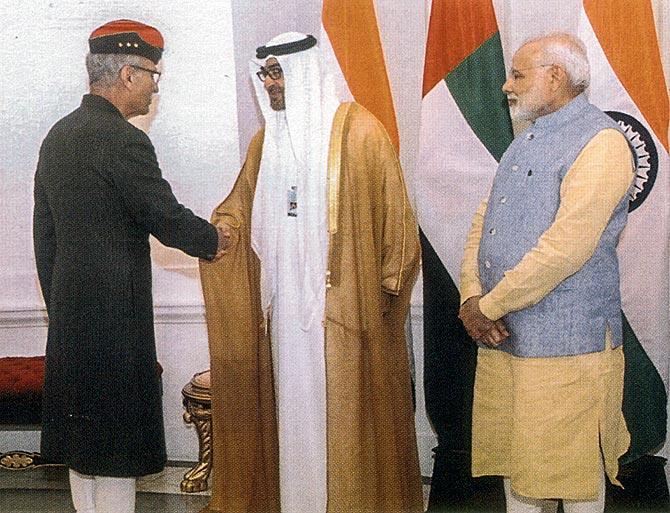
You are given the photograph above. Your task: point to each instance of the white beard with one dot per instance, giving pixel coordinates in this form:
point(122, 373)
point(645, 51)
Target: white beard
point(526, 108)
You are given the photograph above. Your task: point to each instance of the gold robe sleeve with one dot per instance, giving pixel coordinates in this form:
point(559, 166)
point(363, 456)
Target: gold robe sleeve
point(373, 263)
point(400, 250)
point(244, 433)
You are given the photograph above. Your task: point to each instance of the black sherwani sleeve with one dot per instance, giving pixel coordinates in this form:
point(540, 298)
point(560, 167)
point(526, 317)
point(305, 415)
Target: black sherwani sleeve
point(151, 202)
point(44, 240)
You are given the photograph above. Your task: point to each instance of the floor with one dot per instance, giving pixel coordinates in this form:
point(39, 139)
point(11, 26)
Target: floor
point(45, 490)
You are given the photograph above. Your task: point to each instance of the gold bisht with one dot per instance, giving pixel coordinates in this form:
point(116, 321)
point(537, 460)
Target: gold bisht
point(244, 427)
point(373, 259)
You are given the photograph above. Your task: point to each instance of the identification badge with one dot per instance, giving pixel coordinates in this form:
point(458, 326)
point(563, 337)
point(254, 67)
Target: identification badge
point(292, 201)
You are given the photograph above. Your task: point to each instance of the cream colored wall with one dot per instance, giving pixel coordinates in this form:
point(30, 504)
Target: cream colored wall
point(206, 115)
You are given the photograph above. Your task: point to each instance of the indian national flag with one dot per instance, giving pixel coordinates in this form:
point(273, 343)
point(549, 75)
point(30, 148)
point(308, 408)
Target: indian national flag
point(627, 82)
point(350, 34)
point(465, 128)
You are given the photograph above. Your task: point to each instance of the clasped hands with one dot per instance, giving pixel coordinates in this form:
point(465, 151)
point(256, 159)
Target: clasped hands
point(224, 241)
point(479, 327)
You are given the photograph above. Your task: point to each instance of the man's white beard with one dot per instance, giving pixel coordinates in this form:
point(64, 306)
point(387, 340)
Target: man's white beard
point(526, 108)
point(520, 112)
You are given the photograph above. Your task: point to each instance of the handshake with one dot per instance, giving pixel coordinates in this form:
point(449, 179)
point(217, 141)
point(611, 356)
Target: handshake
point(224, 241)
point(479, 327)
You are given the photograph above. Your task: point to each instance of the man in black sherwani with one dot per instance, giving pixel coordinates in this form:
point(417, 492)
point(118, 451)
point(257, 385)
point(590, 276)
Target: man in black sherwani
point(99, 194)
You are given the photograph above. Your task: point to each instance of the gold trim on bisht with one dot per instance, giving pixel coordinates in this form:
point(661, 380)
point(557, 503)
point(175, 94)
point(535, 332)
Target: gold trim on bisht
point(334, 171)
point(334, 166)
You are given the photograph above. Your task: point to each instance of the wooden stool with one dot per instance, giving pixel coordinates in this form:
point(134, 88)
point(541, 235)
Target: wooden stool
point(198, 405)
point(21, 380)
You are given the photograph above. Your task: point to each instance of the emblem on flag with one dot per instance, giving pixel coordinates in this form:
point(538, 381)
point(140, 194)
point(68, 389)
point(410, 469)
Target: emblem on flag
point(645, 154)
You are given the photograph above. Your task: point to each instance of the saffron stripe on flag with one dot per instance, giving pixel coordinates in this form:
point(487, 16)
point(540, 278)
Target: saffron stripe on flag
point(636, 61)
point(638, 102)
point(351, 26)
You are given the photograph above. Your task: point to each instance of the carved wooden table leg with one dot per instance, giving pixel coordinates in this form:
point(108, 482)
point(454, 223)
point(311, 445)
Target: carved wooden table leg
point(197, 401)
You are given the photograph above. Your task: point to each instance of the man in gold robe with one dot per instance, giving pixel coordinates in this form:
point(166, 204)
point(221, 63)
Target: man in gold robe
point(311, 389)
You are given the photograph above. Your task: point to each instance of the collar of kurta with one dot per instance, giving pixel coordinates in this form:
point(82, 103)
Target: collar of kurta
point(565, 114)
point(93, 101)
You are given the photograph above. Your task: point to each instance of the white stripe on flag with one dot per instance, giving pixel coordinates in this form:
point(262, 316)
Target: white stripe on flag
point(453, 175)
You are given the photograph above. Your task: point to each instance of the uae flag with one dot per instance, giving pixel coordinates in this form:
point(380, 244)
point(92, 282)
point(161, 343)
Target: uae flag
point(465, 128)
point(353, 51)
point(627, 82)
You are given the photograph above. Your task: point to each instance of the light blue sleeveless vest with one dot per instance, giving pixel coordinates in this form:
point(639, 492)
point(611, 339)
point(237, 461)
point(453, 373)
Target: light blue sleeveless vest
point(523, 203)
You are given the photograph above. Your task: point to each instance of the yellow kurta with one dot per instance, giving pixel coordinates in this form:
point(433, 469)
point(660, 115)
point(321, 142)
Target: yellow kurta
point(548, 422)
point(372, 460)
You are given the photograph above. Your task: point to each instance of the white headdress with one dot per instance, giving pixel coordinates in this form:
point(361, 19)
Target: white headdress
point(298, 137)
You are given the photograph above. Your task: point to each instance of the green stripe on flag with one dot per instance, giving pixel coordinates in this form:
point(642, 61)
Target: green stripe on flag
point(475, 84)
point(644, 398)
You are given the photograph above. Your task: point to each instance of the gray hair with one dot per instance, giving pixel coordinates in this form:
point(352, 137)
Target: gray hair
point(569, 52)
point(103, 68)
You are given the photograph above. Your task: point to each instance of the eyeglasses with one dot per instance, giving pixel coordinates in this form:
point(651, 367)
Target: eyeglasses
point(516, 73)
point(155, 75)
point(274, 72)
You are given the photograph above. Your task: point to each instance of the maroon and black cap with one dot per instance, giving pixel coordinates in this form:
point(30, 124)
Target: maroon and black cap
point(127, 37)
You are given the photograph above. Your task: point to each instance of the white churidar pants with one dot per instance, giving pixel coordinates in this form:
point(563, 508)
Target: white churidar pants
point(98, 494)
point(519, 504)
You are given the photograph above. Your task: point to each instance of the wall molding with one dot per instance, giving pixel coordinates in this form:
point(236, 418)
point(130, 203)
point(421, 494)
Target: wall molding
point(163, 314)
point(416, 312)
point(23, 318)
point(179, 314)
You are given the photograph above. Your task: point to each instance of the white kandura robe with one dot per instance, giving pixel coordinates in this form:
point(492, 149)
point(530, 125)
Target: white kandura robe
point(299, 370)
point(373, 255)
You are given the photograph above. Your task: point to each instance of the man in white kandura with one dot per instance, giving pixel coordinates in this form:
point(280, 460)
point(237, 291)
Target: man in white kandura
point(311, 392)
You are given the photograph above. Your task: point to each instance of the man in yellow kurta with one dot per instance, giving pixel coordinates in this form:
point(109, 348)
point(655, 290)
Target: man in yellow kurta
point(540, 291)
point(311, 390)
